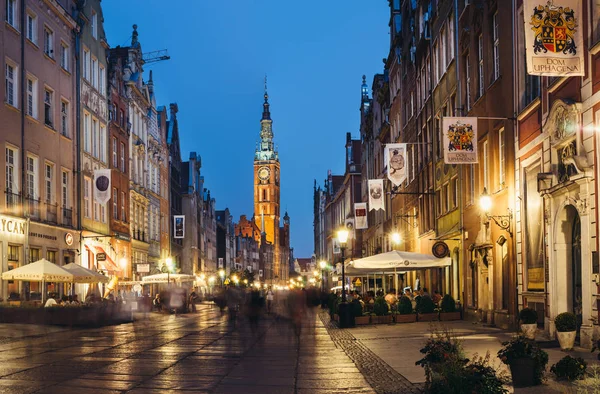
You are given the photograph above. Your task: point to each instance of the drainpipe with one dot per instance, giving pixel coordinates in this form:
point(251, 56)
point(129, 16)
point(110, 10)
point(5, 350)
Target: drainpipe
point(78, 29)
point(461, 260)
point(22, 103)
point(516, 135)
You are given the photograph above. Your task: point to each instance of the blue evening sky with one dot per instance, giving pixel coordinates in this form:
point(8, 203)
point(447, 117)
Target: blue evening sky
point(314, 53)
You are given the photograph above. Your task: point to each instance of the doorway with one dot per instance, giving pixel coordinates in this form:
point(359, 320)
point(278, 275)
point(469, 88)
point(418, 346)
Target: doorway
point(576, 284)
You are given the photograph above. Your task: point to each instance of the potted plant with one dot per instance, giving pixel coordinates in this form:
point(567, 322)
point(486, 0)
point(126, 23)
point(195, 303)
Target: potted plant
point(528, 318)
point(526, 360)
point(448, 309)
point(426, 310)
point(405, 311)
point(359, 317)
point(382, 311)
point(566, 329)
point(569, 368)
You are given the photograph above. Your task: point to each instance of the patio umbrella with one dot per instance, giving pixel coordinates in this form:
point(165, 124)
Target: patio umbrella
point(84, 275)
point(390, 262)
point(39, 271)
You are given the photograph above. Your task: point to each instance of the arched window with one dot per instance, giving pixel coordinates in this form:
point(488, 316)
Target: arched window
point(264, 196)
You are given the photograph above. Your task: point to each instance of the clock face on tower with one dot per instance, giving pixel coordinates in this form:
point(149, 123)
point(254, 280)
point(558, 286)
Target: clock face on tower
point(264, 173)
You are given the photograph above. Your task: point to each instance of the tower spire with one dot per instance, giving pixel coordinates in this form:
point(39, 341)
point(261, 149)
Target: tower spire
point(266, 113)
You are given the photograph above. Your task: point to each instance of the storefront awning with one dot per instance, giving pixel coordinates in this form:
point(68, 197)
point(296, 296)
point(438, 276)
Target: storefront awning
point(108, 264)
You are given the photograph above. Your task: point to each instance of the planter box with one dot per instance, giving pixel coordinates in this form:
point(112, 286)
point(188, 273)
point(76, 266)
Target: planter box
point(427, 317)
point(387, 319)
point(410, 318)
point(449, 316)
point(523, 372)
point(566, 339)
point(362, 320)
point(529, 330)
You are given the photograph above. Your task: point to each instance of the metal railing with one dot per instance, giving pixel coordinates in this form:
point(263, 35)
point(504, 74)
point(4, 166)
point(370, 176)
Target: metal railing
point(34, 208)
point(13, 203)
point(51, 212)
point(67, 217)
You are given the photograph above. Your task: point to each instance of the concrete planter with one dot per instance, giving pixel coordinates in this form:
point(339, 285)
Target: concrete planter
point(387, 319)
point(566, 339)
point(529, 330)
point(427, 317)
point(362, 320)
point(449, 316)
point(410, 318)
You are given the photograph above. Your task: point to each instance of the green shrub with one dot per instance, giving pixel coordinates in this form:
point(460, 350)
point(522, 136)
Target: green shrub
point(381, 308)
point(425, 305)
point(356, 307)
point(405, 306)
point(520, 347)
point(448, 304)
point(528, 316)
point(569, 368)
point(566, 321)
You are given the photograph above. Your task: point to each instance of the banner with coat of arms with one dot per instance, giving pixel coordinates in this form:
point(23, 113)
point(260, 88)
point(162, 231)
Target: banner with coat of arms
point(460, 140)
point(397, 165)
point(376, 194)
point(360, 216)
point(553, 37)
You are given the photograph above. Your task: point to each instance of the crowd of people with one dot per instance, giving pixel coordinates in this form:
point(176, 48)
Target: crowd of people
point(367, 299)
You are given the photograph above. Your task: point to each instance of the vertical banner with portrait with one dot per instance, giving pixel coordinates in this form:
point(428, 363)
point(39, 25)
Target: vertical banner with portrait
point(360, 216)
point(460, 140)
point(336, 246)
point(179, 226)
point(102, 190)
point(350, 227)
point(553, 37)
point(397, 165)
point(376, 194)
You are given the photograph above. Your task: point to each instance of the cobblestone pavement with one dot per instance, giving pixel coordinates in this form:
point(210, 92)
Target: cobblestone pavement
point(191, 353)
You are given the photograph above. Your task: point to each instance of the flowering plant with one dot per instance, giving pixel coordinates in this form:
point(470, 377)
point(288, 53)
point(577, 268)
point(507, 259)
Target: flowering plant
point(569, 368)
point(440, 347)
point(519, 347)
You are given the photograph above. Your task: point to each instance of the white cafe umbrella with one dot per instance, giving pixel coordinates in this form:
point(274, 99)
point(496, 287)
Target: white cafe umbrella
point(84, 275)
point(388, 262)
point(40, 271)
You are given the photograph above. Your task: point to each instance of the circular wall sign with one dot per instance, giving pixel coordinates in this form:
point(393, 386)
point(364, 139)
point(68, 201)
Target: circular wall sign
point(102, 183)
point(69, 239)
point(440, 249)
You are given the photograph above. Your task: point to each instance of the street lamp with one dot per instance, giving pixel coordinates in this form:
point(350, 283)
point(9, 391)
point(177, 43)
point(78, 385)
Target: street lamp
point(168, 267)
point(502, 221)
point(346, 318)
point(396, 238)
point(222, 275)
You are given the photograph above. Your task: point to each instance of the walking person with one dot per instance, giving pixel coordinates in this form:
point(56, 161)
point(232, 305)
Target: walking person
point(270, 297)
point(192, 301)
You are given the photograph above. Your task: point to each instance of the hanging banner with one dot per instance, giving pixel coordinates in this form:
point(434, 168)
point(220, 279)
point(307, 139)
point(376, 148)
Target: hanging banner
point(102, 186)
point(360, 216)
point(395, 160)
point(553, 37)
point(178, 226)
point(460, 140)
point(336, 246)
point(350, 227)
point(376, 194)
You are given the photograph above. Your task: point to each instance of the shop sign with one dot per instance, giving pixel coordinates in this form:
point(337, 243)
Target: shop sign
point(12, 226)
point(69, 239)
point(143, 268)
point(101, 257)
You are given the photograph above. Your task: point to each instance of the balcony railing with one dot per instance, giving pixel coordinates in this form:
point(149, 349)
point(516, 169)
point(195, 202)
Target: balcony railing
point(34, 208)
point(51, 213)
point(13, 203)
point(139, 235)
point(67, 217)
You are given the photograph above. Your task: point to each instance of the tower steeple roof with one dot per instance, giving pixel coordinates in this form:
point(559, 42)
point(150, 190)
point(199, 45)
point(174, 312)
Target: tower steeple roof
point(266, 149)
point(266, 112)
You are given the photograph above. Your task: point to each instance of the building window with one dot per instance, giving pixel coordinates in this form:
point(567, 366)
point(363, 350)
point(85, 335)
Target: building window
point(480, 60)
point(32, 190)
point(34, 255)
point(103, 213)
point(496, 47)
point(49, 180)
point(101, 77)
point(48, 107)
point(455, 191)
point(31, 28)
point(471, 184)
point(114, 152)
point(115, 204)
point(486, 167)
point(94, 74)
point(94, 25)
point(11, 12)
point(87, 132)
point(96, 211)
point(64, 56)
point(450, 37)
point(11, 91)
point(123, 215)
point(501, 159)
point(101, 143)
point(11, 164)
point(86, 64)
point(48, 42)
point(87, 196)
point(65, 189)
point(468, 81)
point(95, 138)
point(51, 256)
point(446, 197)
point(122, 157)
point(64, 118)
point(121, 118)
point(31, 97)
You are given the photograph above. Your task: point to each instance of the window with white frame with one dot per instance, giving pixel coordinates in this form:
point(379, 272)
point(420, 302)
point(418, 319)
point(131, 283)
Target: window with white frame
point(115, 204)
point(87, 197)
point(454, 186)
point(94, 137)
point(94, 74)
point(86, 64)
point(436, 64)
point(11, 170)
point(49, 182)
point(48, 107)
point(486, 167)
point(31, 177)
point(87, 133)
point(64, 56)
point(31, 28)
point(101, 147)
point(101, 77)
point(501, 159)
point(122, 157)
point(65, 189)
point(471, 184)
point(443, 54)
point(96, 212)
point(64, 118)
point(123, 213)
point(10, 86)
point(496, 47)
point(114, 152)
point(450, 36)
point(446, 196)
point(480, 61)
point(11, 13)
point(31, 92)
point(94, 25)
point(48, 42)
point(468, 80)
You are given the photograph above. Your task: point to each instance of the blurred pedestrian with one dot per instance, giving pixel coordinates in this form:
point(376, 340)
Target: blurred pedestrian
point(270, 297)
